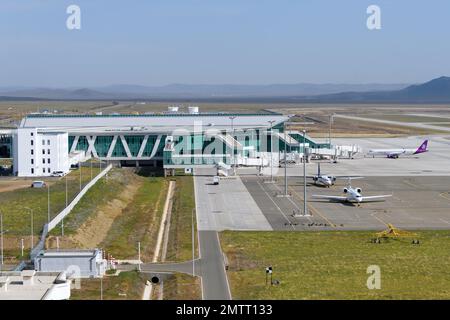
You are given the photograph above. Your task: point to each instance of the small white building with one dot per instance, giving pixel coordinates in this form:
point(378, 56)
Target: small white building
point(40, 153)
point(31, 285)
point(76, 263)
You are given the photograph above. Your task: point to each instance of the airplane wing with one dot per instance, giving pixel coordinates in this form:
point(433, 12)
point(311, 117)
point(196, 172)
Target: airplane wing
point(372, 198)
point(338, 198)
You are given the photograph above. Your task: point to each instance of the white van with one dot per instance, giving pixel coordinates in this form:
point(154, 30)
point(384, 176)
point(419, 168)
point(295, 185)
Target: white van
point(216, 180)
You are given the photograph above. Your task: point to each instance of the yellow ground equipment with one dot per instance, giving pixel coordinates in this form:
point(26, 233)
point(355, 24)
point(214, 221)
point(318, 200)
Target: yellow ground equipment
point(393, 232)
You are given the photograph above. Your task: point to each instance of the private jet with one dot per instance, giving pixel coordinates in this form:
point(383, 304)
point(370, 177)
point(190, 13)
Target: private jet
point(327, 180)
point(395, 153)
point(352, 195)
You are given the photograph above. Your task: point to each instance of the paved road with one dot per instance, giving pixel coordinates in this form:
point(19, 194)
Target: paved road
point(210, 267)
point(214, 278)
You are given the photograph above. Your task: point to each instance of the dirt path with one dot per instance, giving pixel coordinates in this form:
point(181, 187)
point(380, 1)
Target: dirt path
point(96, 228)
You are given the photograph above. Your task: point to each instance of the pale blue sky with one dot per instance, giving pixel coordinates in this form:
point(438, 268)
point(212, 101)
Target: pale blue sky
point(157, 42)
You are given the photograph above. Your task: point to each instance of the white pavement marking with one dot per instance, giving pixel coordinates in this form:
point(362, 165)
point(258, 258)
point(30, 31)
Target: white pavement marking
point(268, 196)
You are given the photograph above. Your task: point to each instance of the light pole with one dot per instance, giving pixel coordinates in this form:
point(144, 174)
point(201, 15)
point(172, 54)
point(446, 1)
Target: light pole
point(232, 134)
point(271, 151)
point(48, 203)
point(193, 244)
point(285, 162)
point(101, 287)
point(329, 129)
point(305, 210)
point(1, 241)
point(31, 227)
point(66, 192)
point(139, 254)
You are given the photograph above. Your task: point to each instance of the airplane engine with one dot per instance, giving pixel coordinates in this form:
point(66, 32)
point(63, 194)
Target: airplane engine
point(345, 190)
point(359, 190)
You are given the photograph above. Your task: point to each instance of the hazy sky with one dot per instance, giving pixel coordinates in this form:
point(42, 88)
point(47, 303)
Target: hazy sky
point(156, 42)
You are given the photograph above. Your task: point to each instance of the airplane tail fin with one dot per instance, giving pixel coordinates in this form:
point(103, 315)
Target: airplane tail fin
point(422, 148)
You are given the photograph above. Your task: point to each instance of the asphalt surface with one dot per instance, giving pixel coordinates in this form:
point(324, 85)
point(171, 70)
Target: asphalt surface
point(435, 162)
point(210, 267)
point(416, 203)
point(227, 206)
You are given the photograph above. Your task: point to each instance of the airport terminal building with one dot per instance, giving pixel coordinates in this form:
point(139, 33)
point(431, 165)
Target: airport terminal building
point(45, 143)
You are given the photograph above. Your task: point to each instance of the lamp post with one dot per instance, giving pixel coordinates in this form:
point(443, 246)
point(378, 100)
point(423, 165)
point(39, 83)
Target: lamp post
point(232, 132)
point(305, 210)
point(285, 162)
point(1, 240)
point(329, 129)
point(139, 255)
point(31, 227)
point(193, 243)
point(271, 151)
point(66, 192)
point(48, 203)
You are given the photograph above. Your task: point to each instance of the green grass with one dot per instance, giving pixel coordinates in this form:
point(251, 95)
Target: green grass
point(179, 248)
point(333, 265)
point(182, 287)
point(106, 189)
point(125, 286)
point(139, 221)
point(180, 238)
point(16, 218)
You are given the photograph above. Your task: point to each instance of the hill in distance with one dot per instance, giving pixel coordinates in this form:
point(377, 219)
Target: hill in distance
point(434, 91)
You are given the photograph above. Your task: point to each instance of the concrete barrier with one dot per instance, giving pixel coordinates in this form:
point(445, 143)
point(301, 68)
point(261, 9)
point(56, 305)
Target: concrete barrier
point(52, 224)
point(74, 202)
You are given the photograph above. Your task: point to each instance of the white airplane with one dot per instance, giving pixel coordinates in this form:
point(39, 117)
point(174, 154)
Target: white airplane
point(395, 153)
point(327, 180)
point(352, 195)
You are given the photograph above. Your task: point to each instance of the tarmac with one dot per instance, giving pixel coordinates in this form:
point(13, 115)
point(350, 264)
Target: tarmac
point(420, 188)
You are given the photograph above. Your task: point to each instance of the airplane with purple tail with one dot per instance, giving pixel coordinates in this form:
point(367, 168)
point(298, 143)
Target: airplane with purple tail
point(395, 153)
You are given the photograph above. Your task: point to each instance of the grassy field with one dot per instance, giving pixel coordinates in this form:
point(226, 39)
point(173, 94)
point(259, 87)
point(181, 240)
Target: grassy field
point(333, 265)
point(117, 213)
point(17, 218)
point(138, 204)
point(179, 248)
point(180, 238)
point(182, 287)
point(125, 286)
point(139, 221)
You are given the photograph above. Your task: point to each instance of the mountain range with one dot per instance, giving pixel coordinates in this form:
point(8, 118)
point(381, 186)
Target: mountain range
point(434, 91)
